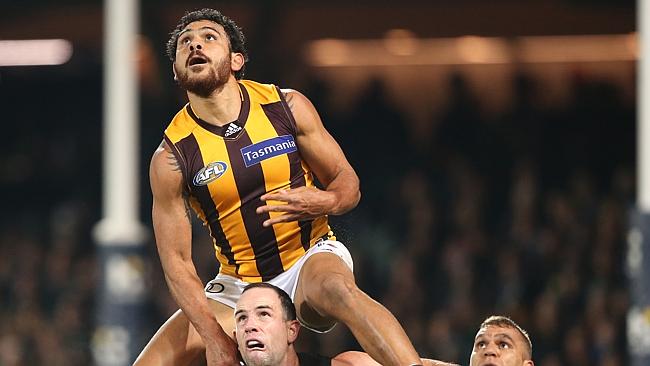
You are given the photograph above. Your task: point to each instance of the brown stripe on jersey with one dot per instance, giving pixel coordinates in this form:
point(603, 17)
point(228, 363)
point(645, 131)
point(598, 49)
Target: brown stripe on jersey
point(193, 157)
point(181, 161)
point(287, 110)
point(250, 185)
point(280, 121)
point(245, 106)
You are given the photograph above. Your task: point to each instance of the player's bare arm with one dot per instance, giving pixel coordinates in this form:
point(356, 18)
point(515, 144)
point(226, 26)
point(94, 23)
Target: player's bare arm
point(324, 155)
point(172, 228)
point(352, 358)
point(355, 358)
point(430, 362)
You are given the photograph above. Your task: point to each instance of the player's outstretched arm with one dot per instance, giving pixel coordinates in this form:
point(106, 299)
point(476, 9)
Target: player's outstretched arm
point(429, 362)
point(355, 358)
point(172, 227)
point(325, 157)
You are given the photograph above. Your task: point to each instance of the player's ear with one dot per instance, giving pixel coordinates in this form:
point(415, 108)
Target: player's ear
point(293, 328)
point(236, 61)
point(174, 72)
point(529, 363)
point(234, 336)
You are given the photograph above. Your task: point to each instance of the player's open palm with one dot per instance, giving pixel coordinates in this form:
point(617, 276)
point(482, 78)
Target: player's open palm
point(301, 203)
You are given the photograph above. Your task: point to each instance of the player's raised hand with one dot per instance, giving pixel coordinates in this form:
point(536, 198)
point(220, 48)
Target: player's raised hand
point(301, 203)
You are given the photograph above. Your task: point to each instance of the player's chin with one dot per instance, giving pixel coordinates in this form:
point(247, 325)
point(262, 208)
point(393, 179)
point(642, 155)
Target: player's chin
point(256, 357)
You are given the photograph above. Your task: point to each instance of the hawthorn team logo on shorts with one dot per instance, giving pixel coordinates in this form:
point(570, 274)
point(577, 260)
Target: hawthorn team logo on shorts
point(210, 173)
point(215, 287)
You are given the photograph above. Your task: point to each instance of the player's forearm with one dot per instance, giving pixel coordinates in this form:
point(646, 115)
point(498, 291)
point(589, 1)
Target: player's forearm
point(187, 290)
point(345, 187)
point(430, 362)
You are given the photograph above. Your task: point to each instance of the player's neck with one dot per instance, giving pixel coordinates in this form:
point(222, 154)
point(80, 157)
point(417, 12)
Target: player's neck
point(291, 359)
point(221, 107)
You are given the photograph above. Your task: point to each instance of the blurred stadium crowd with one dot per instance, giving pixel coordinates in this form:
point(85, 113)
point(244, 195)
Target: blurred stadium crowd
point(522, 214)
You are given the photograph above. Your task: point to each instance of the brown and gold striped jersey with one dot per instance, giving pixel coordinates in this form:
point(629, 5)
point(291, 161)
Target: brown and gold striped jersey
point(227, 168)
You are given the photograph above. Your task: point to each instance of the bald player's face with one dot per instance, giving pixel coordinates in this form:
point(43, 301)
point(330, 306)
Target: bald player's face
point(499, 346)
point(262, 333)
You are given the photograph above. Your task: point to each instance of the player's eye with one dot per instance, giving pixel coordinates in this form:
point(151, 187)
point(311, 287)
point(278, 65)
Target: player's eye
point(480, 344)
point(210, 37)
point(504, 345)
point(184, 41)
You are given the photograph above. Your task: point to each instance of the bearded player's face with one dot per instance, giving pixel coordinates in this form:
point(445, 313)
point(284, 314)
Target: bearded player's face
point(203, 58)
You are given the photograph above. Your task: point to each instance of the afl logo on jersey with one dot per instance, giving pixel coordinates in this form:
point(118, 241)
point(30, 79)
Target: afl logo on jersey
point(209, 173)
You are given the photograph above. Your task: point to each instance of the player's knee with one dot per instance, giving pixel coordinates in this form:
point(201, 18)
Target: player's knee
point(338, 292)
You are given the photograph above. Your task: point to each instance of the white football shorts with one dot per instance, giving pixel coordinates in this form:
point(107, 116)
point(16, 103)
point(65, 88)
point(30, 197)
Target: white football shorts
point(227, 289)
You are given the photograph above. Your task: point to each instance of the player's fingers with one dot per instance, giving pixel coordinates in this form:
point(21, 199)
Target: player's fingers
point(278, 195)
point(283, 218)
point(269, 196)
point(274, 208)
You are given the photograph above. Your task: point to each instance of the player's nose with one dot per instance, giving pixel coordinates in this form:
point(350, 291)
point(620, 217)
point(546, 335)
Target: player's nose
point(490, 350)
point(250, 326)
point(195, 45)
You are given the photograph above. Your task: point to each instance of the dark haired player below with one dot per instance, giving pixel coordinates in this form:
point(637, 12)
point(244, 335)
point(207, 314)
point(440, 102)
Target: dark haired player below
point(501, 342)
point(266, 329)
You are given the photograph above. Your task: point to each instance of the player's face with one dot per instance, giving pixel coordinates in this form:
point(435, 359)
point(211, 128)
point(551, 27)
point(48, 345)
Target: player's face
point(499, 346)
point(263, 336)
point(203, 57)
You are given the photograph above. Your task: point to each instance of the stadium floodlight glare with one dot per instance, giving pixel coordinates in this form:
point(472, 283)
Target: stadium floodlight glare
point(401, 47)
point(35, 52)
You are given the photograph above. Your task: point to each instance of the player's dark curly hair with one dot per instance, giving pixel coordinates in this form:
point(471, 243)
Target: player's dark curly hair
point(235, 34)
point(288, 308)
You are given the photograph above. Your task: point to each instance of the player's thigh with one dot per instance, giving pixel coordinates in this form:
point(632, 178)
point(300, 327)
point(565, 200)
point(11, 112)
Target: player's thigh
point(175, 343)
point(178, 343)
point(317, 274)
point(225, 316)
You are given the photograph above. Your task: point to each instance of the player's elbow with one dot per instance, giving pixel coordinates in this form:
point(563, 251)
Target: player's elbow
point(355, 193)
point(354, 197)
point(357, 198)
point(347, 192)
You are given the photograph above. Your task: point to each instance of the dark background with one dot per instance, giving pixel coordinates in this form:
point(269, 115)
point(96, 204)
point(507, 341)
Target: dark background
point(486, 188)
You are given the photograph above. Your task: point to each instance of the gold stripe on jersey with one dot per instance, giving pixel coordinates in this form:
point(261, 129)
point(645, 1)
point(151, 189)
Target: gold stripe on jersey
point(180, 127)
point(263, 93)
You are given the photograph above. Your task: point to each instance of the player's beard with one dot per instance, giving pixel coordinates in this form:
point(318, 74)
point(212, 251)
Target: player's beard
point(205, 86)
